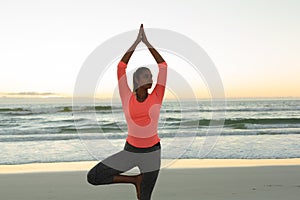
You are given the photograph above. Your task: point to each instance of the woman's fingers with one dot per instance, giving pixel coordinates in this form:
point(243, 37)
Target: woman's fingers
point(140, 34)
point(144, 38)
point(141, 29)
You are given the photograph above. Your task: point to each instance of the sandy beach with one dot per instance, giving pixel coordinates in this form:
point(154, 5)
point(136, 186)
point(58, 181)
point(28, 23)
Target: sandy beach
point(215, 179)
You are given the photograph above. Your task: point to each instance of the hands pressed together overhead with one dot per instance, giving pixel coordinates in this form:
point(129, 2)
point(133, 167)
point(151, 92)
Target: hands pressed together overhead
point(142, 36)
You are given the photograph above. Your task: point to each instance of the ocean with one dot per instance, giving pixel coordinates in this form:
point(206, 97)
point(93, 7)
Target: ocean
point(39, 130)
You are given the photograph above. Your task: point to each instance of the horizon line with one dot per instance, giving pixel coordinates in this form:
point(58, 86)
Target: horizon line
point(166, 98)
point(45, 95)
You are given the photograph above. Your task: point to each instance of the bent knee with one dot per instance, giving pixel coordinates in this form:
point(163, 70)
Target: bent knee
point(101, 174)
point(97, 179)
point(91, 178)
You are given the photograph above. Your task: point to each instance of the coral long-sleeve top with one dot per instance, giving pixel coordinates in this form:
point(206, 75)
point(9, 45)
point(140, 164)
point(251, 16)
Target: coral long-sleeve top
point(142, 117)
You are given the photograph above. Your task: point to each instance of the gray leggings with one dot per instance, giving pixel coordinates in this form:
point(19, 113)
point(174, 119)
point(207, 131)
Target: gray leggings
point(146, 159)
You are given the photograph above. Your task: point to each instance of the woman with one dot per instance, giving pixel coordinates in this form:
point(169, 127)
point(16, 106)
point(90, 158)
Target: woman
point(141, 109)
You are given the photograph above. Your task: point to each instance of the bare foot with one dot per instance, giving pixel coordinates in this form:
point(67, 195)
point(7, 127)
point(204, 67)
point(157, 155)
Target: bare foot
point(138, 181)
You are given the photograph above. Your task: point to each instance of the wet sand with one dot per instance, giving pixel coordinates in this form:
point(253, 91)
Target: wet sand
point(188, 180)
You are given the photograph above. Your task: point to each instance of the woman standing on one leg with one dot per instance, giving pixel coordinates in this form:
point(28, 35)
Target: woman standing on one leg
point(141, 109)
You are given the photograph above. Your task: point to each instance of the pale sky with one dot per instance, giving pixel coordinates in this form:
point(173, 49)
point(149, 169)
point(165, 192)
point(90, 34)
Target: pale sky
point(255, 45)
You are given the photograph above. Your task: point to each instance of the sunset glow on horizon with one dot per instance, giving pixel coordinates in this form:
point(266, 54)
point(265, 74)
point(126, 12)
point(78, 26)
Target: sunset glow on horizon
point(254, 45)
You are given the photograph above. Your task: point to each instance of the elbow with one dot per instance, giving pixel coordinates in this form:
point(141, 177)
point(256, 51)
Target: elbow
point(163, 64)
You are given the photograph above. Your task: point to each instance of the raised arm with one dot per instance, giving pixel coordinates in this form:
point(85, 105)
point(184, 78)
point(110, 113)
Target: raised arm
point(124, 89)
point(130, 51)
point(159, 89)
point(153, 51)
